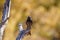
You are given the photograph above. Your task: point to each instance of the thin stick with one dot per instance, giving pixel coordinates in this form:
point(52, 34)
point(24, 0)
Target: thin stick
point(6, 14)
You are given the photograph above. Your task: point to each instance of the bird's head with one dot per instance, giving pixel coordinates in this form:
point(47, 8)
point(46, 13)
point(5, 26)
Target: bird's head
point(29, 21)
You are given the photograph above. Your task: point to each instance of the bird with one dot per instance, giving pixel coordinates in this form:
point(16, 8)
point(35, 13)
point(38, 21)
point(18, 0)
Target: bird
point(5, 16)
point(23, 32)
point(29, 23)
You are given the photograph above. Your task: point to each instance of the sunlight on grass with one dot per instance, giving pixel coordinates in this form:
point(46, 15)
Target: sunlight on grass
point(45, 17)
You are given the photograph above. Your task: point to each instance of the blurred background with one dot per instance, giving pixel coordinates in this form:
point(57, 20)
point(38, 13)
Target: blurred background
point(45, 15)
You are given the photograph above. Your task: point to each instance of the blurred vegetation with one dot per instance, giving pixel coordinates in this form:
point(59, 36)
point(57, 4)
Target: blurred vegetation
point(45, 15)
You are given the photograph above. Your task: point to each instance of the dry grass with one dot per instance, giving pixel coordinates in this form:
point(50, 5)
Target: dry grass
point(45, 17)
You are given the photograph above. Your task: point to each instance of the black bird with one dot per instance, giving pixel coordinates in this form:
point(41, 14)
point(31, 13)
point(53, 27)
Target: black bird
point(24, 32)
point(29, 23)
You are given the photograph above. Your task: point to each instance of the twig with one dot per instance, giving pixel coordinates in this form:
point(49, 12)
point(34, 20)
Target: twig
point(5, 16)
